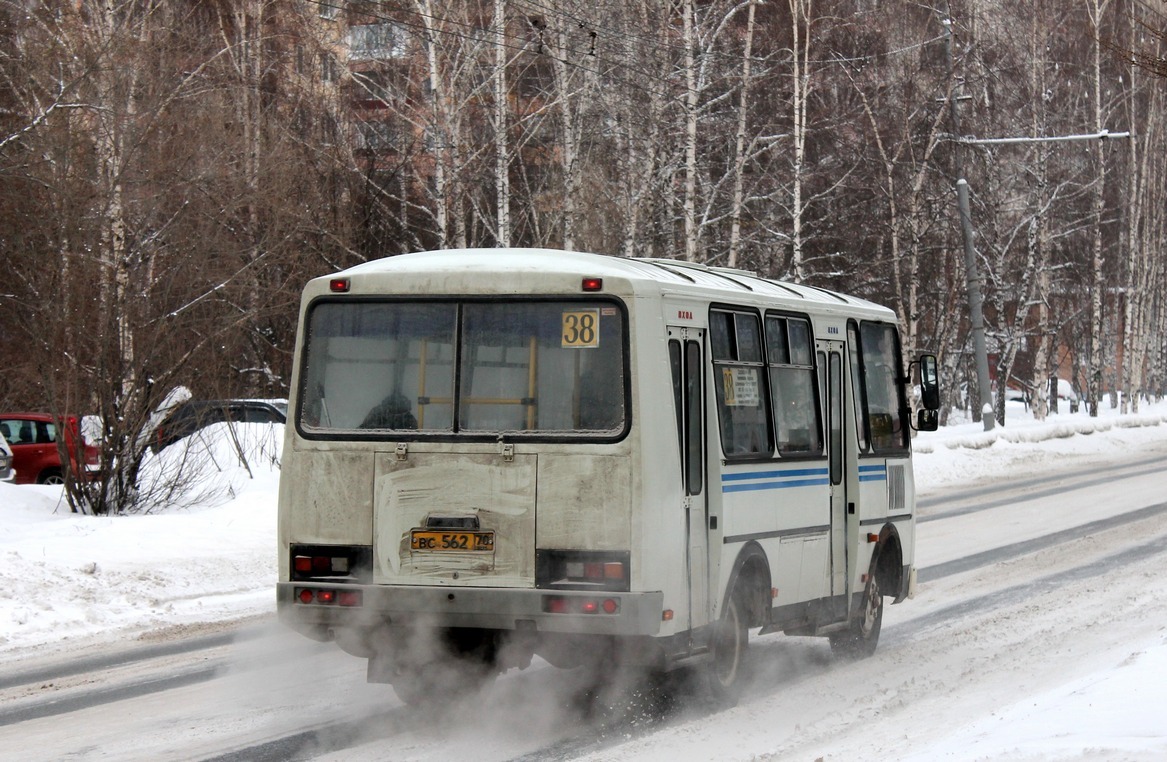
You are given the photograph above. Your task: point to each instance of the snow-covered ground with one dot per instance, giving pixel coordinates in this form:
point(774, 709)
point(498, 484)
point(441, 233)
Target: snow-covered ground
point(68, 579)
point(209, 557)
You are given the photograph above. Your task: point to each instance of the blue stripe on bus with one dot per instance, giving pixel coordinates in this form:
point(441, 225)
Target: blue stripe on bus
point(773, 474)
point(784, 480)
point(775, 485)
point(775, 480)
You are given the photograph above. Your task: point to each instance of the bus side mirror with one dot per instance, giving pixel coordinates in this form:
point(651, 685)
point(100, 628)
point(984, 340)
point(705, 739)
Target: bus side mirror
point(929, 384)
point(927, 420)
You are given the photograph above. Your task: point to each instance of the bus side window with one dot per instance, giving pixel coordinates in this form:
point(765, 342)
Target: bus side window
point(797, 422)
point(687, 396)
point(678, 400)
point(694, 420)
point(859, 399)
point(740, 381)
point(882, 385)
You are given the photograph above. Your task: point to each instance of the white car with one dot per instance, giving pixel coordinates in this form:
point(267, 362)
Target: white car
point(7, 473)
point(1067, 395)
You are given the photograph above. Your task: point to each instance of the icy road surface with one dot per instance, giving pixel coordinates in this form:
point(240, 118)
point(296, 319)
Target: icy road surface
point(1039, 632)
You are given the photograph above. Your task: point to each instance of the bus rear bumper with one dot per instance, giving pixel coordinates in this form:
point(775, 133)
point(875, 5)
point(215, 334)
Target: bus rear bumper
point(302, 607)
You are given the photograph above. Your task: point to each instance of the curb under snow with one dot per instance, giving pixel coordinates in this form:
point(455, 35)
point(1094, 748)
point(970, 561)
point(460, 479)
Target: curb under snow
point(1034, 433)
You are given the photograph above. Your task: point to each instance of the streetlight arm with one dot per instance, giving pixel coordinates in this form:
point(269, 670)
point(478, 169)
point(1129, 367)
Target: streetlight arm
point(1102, 135)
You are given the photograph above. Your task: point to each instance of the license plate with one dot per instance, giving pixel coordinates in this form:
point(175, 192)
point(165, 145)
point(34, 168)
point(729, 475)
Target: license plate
point(425, 539)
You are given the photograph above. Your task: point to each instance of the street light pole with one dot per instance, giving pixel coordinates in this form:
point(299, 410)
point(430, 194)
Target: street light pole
point(975, 313)
point(972, 272)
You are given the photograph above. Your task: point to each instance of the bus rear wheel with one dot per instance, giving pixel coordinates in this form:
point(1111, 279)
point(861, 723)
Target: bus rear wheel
point(443, 682)
point(726, 669)
point(860, 639)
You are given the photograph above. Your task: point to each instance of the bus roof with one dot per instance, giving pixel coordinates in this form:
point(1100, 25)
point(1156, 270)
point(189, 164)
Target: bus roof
point(644, 274)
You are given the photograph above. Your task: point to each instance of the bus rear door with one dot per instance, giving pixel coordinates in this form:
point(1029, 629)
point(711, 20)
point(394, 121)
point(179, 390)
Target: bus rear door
point(686, 358)
point(842, 462)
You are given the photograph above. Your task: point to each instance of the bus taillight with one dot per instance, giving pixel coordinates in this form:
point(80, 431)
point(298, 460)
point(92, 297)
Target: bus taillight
point(595, 571)
point(321, 565)
point(559, 604)
point(321, 562)
point(325, 597)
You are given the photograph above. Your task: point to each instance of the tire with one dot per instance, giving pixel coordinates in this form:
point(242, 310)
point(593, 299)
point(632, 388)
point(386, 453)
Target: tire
point(410, 687)
point(861, 638)
point(51, 476)
point(461, 664)
point(442, 683)
point(726, 670)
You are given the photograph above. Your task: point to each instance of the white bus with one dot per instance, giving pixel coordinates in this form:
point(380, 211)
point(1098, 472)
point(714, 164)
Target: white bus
point(496, 454)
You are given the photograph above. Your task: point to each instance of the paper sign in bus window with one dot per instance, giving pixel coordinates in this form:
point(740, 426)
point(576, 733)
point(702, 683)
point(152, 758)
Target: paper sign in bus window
point(581, 329)
point(741, 387)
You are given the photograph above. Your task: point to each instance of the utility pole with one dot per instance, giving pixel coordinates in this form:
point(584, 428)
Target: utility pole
point(975, 312)
point(972, 272)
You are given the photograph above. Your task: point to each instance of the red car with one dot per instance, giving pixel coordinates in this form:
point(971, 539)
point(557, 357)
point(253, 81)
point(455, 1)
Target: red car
point(35, 457)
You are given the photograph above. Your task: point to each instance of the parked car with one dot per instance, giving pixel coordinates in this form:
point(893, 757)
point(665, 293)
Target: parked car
point(7, 473)
point(193, 415)
point(1067, 395)
point(1013, 394)
point(33, 438)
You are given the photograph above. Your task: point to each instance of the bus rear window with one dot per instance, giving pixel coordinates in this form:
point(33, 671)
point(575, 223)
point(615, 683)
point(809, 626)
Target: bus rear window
point(470, 367)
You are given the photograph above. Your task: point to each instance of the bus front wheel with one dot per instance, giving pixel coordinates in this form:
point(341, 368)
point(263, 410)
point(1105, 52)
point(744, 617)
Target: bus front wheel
point(726, 669)
point(860, 639)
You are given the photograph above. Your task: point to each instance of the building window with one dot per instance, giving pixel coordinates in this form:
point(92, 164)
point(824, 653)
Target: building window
point(328, 67)
point(382, 40)
point(374, 135)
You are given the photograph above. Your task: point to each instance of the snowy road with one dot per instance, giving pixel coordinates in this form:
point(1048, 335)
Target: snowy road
point(1038, 597)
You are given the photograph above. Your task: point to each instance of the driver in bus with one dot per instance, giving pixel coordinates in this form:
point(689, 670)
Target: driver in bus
point(393, 412)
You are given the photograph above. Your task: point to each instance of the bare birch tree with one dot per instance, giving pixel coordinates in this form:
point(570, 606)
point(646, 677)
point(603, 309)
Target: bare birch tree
point(501, 127)
point(1096, 10)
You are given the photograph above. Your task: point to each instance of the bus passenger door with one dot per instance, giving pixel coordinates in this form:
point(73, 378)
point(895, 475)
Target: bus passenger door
point(839, 458)
point(686, 358)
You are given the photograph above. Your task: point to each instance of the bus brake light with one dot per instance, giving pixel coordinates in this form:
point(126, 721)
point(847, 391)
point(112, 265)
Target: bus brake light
point(557, 604)
point(345, 598)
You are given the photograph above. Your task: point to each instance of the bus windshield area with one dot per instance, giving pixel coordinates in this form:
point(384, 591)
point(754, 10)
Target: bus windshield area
point(478, 368)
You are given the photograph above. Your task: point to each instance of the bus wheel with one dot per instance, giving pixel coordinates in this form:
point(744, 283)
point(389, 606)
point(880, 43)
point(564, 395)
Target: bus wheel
point(411, 687)
point(443, 681)
point(860, 639)
point(726, 669)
